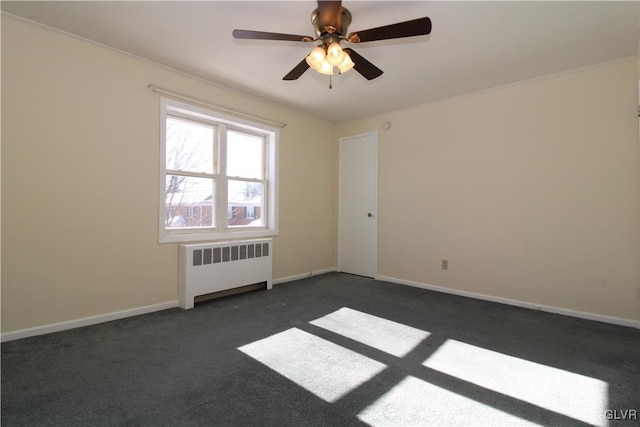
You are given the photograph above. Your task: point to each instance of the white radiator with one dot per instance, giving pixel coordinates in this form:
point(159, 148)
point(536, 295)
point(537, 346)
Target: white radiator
point(212, 267)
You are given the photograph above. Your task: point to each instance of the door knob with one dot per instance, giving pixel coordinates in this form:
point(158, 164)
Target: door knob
point(369, 214)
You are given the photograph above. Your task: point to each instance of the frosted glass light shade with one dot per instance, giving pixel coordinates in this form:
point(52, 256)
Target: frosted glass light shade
point(316, 58)
point(346, 64)
point(326, 68)
point(335, 54)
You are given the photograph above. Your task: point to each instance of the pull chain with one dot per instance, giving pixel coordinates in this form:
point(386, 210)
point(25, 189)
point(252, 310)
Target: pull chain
point(330, 85)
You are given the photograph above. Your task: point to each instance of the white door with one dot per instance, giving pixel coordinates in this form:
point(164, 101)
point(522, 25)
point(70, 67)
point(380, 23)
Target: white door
point(358, 205)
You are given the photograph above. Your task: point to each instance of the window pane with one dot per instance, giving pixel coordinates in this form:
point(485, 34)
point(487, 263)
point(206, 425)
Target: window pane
point(189, 202)
point(189, 146)
point(244, 155)
point(245, 204)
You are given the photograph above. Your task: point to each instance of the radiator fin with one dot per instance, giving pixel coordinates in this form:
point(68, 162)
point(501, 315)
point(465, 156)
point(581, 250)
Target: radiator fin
point(229, 253)
point(197, 257)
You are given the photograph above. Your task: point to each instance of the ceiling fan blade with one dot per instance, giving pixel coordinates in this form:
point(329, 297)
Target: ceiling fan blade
point(263, 35)
point(330, 14)
point(364, 67)
point(297, 71)
point(415, 27)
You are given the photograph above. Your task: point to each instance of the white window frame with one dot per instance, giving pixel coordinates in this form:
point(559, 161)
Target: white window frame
point(222, 122)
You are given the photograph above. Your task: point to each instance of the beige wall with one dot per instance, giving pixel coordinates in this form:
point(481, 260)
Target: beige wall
point(80, 179)
point(531, 191)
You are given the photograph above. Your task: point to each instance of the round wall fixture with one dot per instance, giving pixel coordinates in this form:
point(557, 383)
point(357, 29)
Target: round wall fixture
point(386, 125)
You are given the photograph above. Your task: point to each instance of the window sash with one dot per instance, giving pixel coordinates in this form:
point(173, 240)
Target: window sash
point(263, 205)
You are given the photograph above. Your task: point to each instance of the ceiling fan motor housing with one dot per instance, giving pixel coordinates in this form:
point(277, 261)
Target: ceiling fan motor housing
point(345, 20)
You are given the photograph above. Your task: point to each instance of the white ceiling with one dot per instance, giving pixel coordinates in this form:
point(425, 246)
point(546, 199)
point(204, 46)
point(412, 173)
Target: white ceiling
point(473, 45)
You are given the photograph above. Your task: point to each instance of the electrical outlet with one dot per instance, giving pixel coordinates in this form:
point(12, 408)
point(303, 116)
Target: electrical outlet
point(445, 264)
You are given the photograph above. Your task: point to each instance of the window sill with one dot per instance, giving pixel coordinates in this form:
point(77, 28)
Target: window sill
point(196, 237)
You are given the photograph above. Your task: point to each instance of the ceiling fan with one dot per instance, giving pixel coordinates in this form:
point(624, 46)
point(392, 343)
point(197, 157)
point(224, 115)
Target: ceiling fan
point(331, 22)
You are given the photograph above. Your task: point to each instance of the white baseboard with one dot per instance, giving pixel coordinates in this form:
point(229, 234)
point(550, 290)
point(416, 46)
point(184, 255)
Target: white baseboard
point(303, 275)
point(93, 320)
point(86, 321)
point(564, 311)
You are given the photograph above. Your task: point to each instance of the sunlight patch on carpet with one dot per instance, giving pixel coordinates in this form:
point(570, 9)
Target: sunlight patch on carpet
point(414, 402)
point(577, 396)
point(382, 334)
point(325, 369)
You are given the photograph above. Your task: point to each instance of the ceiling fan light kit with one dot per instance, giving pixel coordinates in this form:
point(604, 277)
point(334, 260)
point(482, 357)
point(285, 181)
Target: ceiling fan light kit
point(331, 22)
point(324, 59)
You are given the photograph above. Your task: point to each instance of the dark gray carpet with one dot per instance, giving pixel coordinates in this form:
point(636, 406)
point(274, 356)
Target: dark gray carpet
point(178, 367)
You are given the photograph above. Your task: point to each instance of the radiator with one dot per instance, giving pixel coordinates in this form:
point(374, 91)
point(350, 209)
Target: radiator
point(212, 267)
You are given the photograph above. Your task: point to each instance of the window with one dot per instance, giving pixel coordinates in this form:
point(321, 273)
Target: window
point(218, 175)
point(250, 212)
point(192, 212)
